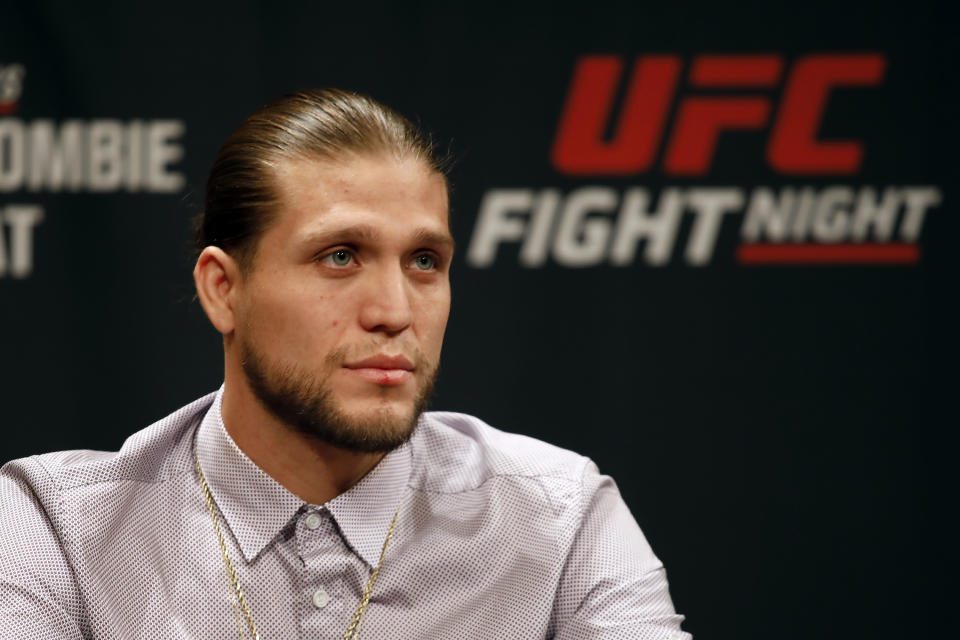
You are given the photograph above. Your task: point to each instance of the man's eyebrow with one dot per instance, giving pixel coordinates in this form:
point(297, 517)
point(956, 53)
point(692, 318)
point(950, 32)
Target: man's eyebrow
point(434, 238)
point(365, 232)
point(340, 234)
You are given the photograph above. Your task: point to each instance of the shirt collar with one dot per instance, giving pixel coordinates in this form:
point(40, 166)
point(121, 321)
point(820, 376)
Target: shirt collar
point(365, 511)
point(256, 507)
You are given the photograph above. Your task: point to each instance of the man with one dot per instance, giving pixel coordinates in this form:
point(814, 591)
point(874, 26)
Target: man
point(309, 496)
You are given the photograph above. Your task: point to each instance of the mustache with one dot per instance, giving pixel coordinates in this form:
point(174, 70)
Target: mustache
point(354, 353)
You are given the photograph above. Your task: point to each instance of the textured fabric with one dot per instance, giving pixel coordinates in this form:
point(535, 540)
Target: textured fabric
point(499, 536)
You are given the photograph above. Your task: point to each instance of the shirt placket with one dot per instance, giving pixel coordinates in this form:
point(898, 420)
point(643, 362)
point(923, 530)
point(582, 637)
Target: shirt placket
point(326, 564)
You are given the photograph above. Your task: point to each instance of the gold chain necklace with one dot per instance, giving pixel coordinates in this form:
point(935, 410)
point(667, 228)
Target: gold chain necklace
point(240, 603)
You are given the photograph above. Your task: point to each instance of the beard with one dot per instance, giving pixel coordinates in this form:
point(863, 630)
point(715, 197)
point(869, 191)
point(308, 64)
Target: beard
point(306, 404)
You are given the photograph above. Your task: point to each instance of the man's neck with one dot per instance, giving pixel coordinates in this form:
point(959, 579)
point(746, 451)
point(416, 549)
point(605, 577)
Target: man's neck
point(314, 471)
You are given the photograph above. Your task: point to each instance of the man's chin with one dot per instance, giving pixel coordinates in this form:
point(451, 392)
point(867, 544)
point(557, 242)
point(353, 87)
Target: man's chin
point(381, 415)
point(377, 430)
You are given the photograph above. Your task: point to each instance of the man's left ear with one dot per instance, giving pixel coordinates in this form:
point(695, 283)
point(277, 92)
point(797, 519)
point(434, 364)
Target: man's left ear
point(216, 275)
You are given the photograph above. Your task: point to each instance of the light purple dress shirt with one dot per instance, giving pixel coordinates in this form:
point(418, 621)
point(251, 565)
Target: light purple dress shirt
point(499, 536)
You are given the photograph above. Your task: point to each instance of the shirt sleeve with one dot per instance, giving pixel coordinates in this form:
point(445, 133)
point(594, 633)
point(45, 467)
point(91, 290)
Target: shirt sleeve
point(613, 587)
point(38, 595)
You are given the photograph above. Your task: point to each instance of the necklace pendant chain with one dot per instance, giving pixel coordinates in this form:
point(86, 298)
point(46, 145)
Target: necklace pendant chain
point(240, 609)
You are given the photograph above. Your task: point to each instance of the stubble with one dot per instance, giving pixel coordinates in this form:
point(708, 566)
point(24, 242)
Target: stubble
point(306, 404)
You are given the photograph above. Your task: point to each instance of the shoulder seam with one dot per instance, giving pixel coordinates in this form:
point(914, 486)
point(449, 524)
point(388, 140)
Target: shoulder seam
point(63, 532)
point(93, 483)
point(497, 476)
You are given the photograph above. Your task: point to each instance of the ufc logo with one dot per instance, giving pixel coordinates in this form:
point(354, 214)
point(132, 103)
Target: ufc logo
point(582, 146)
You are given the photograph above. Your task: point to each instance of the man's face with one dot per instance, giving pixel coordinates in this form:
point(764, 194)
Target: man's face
point(341, 318)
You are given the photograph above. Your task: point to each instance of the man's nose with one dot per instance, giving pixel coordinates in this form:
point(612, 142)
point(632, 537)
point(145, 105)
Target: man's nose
point(386, 305)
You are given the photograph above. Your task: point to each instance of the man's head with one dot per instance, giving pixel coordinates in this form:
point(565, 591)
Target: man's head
point(325, 264)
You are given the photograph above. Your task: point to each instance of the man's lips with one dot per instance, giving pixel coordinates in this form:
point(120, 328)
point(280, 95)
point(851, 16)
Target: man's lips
point(382, 362)
point(382, 369)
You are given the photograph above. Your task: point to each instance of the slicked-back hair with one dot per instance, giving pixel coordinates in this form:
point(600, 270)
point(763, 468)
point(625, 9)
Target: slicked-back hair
point(317, 124)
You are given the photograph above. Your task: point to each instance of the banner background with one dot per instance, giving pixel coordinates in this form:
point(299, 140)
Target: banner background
point(781, 433)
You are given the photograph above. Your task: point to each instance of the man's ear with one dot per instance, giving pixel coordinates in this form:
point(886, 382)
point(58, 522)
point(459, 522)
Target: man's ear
point(216, 276)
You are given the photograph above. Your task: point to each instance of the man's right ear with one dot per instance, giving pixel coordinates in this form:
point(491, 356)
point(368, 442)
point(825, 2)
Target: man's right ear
point(216, 276)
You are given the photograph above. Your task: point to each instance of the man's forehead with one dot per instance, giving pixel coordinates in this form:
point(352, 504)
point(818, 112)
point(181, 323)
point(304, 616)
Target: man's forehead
point(359, 192)
point(352, 170)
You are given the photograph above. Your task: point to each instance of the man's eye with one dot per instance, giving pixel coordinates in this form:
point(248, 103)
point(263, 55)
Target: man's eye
point(425, 262)
point(340, 257)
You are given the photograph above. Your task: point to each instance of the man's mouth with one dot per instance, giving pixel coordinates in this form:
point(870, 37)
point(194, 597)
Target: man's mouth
point(382, 369)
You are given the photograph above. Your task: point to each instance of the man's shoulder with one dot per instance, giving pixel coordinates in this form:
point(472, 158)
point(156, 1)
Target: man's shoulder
point(150, 455)
point(456, 452)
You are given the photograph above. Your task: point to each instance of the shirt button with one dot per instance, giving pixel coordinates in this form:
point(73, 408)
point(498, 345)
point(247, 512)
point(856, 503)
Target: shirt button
point(320, 598)
point(313, 521)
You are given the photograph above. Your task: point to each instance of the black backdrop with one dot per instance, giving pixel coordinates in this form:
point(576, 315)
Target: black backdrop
point(781, 432)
